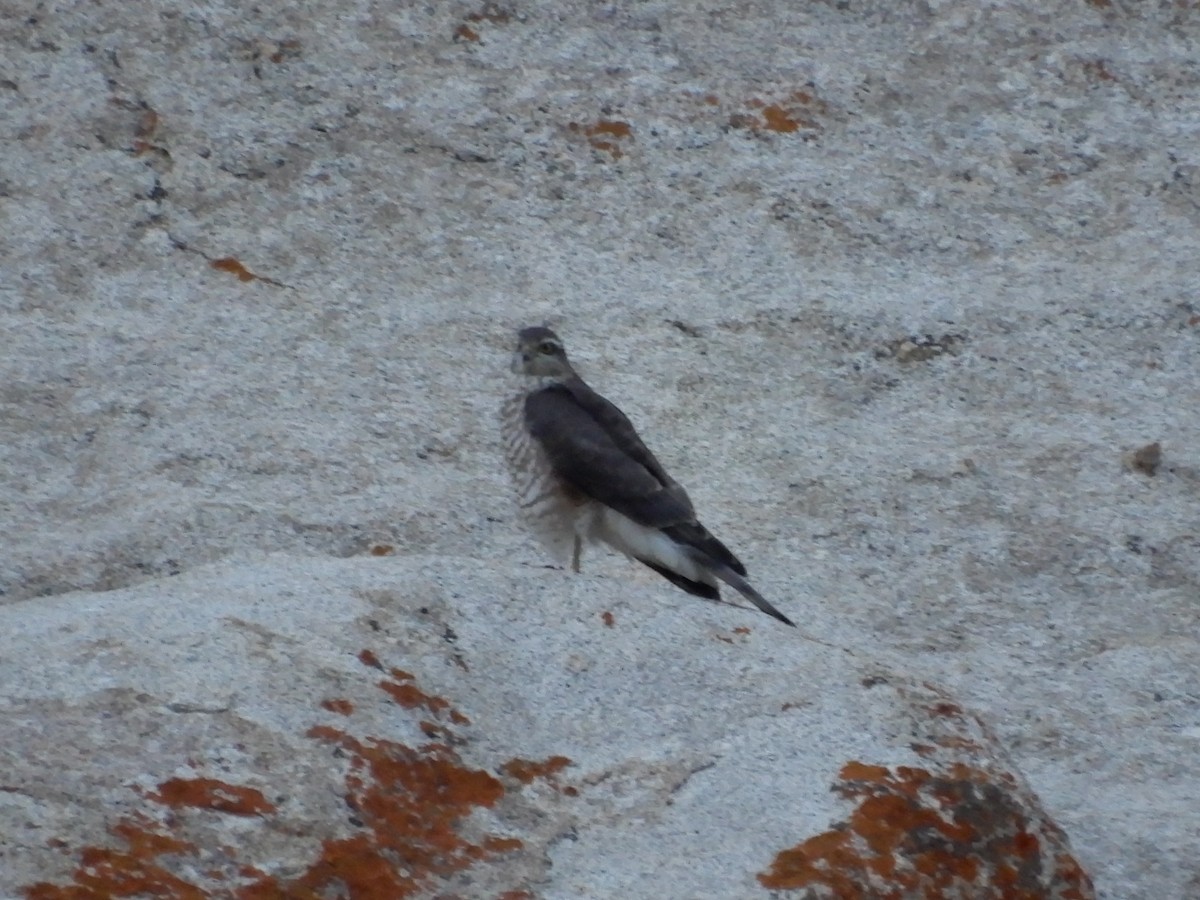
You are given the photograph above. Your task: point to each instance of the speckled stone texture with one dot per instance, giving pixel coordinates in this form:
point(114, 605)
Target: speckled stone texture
point(897, 291)
point(346, 728)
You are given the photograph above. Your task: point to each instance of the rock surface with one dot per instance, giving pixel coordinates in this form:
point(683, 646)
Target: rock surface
point(347, 726)
point(898, 292)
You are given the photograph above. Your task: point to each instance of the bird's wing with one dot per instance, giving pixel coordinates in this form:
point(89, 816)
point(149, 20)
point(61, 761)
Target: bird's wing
point(621, 430)
point(594, 448)
point(695, 535)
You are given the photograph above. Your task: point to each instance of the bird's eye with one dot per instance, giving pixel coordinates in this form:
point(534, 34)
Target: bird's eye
point(547, 347)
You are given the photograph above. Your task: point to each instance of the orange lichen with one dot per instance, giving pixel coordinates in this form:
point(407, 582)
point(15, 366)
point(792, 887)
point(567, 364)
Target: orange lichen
point(339, 706)
point(465, 32)
point(411, 804)
point(135, 871)
point(779, 120)
point(209, 793)
point(605, 135)
point(526, 770)
point(856, 771)
point(609, 619)
point(433, 730)
point(615, 129)
point(410, 831)
point(796, 111)
point(232, 265)
point(932, 835)
point(409, 695)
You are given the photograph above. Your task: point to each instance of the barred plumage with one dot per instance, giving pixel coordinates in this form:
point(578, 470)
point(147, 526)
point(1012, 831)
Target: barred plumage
point(549, 510)
point(583, 474)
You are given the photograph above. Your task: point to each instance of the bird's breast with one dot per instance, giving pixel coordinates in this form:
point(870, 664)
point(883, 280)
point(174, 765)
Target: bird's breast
point(550, 507)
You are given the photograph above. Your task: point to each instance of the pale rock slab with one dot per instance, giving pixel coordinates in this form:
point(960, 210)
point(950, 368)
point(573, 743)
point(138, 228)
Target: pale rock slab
point(894, 288)
point(392, 727)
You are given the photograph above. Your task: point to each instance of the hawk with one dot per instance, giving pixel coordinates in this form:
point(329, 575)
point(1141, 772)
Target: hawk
point(583, 474)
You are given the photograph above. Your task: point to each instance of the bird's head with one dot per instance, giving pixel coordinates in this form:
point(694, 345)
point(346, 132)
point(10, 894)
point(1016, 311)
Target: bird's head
point(541, 353)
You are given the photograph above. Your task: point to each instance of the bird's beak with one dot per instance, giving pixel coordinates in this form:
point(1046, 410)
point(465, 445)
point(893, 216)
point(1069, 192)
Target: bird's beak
point(518, 363)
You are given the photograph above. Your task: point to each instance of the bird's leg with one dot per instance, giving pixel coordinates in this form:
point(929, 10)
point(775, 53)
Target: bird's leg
point(576, 555)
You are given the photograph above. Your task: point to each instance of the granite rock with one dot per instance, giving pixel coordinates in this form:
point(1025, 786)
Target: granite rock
point(897, 292)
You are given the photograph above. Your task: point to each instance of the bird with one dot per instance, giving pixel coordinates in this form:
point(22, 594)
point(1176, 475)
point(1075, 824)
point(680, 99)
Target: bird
point(584, 475)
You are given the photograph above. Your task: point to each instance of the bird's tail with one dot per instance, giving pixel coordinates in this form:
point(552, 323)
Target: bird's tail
point(742, 586)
